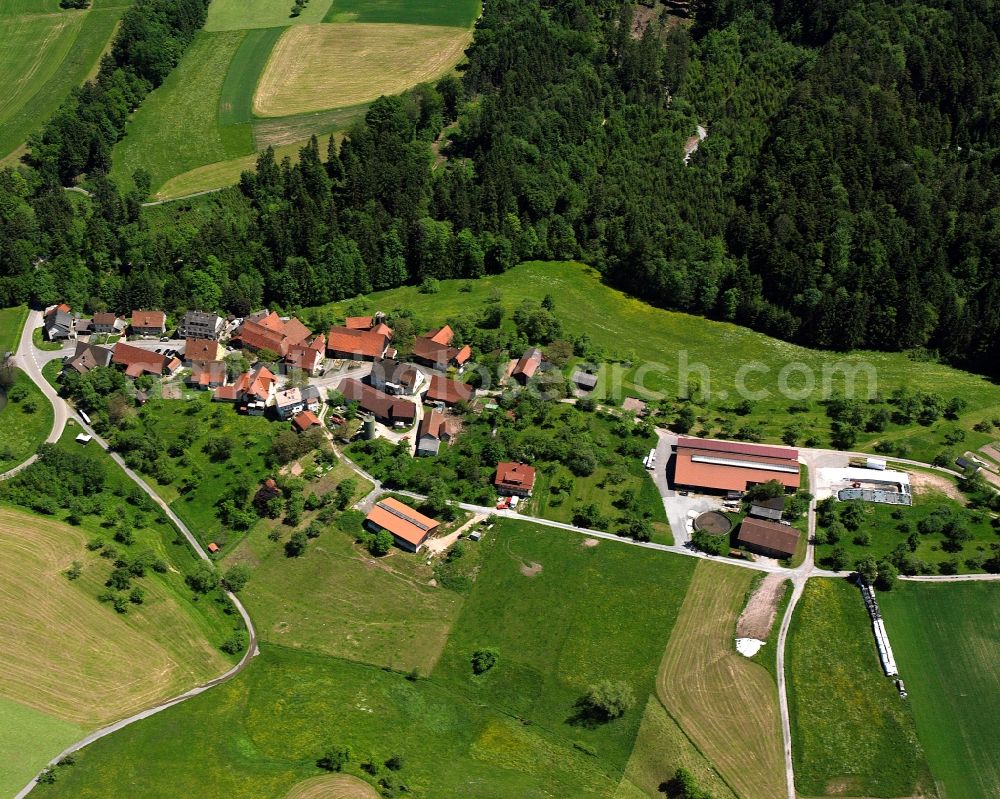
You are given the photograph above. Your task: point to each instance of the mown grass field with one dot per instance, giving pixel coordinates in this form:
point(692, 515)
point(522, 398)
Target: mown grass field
point(46, 51)
point(333, 786)
point(177, 126)
point(726, 704)
point(460, 735)
point(629, 329)
point(451, 13)
point(315, 67)
point(233, 15)
point(852, 735)
point(24, 424)
point(28, 740)
point(205, 419)
point(200, 130)
point(887, 532)
point(946, 639)
point(11, 323)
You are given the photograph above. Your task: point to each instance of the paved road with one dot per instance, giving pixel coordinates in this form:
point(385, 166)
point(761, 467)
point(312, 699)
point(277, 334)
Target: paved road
point(31, 359)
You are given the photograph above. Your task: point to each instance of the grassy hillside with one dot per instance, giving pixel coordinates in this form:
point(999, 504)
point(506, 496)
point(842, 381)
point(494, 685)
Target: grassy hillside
point(46, 51)
point(652, 344)
point(502, 735)
point(945, 638)
point(11, 324)
point(28, 740)
point(851, 732)
point(25, 421)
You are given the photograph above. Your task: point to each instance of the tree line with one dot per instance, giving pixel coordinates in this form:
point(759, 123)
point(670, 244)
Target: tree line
point(845, 197)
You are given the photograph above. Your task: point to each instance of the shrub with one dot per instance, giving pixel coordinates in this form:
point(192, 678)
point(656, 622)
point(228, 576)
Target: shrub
point(484, 659)
point(334, 758)
point(235, 643)
point(236, 577)
point(607, 700)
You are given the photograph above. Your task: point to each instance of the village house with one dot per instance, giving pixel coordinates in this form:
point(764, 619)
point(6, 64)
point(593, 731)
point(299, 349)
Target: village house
point(202, 349)
point(59, 322)
point(386, 409)
point(87, 356)
point(307, 356)
point(288, 402)
point(409, 528)
point(304, 420)
point(359, 345)
point(268, 331)
point(138, 361)
point(768, 538)
point(431, 433)
point(434, 349)
point(201, 325)
point(514, 479)
point(148, 323)
point(312, 398)
point(447, 391)
point(107, 323)
point(395, 377)
point(207, 375)
point(527, 365)
point(255, 387)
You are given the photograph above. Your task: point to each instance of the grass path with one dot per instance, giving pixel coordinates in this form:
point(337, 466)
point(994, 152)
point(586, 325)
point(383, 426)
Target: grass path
point(726, 704)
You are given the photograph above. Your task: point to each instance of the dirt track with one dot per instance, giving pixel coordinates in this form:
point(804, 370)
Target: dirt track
point(758, 616)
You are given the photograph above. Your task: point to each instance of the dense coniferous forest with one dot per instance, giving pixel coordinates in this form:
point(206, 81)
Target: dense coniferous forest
point(847, 193)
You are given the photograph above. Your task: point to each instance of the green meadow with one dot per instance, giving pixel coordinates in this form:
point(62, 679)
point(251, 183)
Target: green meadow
point(511, 732)
point(233, 15)
point(450, 13)
point(648, 351)
point(47, 51)
point(852, 734)
point(28, 740)
point(11, 323)
point(945, 639)
point(25, 421)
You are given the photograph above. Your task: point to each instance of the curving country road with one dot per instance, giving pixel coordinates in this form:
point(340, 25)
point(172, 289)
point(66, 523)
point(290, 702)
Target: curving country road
point(31, 359)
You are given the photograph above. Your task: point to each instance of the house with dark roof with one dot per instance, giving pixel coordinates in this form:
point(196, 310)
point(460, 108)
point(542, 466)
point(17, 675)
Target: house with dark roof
point(387, 409)
point(88, 356)
point(705, 464)
point(395, 377)
point(107, 323)
point(201, 325)
point(358, 345)
point(138, 361)
point(514, 479)
point(431, 433)
point(768, 508)
point(409, 528)
point(434, 349)
point(148, 323)
point(527, 365)
point(448, 391)
point(59, 322)
point(767, 538)
point(311, 398)
point(585, 381)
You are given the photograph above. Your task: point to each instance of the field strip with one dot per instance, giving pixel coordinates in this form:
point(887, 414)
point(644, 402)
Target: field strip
point(317, 67)
point(333, 786)
point(726, 704)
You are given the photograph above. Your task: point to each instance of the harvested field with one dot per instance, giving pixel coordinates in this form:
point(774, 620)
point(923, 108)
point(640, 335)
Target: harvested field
point(727, 705)
point(67, 655)
point(316, 67)
point(333, 786)
point(757, 618)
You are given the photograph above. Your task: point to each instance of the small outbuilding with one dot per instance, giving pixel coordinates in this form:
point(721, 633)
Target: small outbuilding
point(584, 381)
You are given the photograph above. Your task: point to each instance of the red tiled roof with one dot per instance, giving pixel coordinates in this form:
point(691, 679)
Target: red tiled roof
point(402, 521)
point(442, 336)
point(258, 336)
point(295, 332)
point(302, 356)
point(206, 373)
point(201, 349)
point(377, 402)
point(769, 536)
point(433, 424)
point(272, 322)
point(365, 343)
point(528, 364)
point(359, 323)
point(430, 348)
point(443, 389)
point(515, 475)
point(138, 361)
point(732, 466)
point(147, 319)
point(305, 420)
point(105, 318)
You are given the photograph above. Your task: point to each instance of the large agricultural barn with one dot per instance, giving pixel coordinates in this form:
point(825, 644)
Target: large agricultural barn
point(709, 465)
